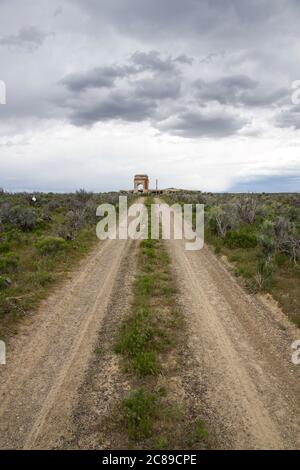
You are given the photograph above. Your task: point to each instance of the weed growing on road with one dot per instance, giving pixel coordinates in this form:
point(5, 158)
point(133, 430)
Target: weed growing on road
point(140, 411)
point(147, 343)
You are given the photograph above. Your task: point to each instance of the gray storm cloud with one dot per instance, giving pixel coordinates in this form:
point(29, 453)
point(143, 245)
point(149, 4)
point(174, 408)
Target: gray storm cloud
point(152, 87)
point(27, 38)
point(154, 79)
point(197, 71)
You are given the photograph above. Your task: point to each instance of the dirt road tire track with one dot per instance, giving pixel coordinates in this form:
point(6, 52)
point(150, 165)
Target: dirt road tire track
point(106, 382)
point(47, 360)
point(51, 395)
point(243, 349)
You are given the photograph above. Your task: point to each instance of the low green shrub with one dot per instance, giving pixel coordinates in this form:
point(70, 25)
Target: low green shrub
point(281, 259)
point(4, 247)
point(146, 363)
point(240, 239)
point(267, 244)
point(198, 433)
point(149, 243)
point(22, 217)
point(140, 409)
point(3, 282)
point(245, 272)
point(218, 248)
point(264, 272)
point(9, 262)
point(149, 252)
point(234, 258)
point(135, 335)
point(42, 277)
point(50, 245)
point(145, 284)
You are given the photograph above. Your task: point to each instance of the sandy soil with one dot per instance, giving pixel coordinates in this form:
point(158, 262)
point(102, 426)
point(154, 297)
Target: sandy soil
point(105, 382)
point(47, 360)
point(62, 375)
point(242, 347)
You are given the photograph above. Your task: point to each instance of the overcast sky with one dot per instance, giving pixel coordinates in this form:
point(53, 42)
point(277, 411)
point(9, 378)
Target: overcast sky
point(196, 93)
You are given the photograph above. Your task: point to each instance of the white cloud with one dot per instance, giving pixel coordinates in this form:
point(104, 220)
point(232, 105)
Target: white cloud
point(126, 74)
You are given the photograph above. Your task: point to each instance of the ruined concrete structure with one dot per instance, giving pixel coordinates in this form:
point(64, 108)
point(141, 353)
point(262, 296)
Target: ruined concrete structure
point(141, 183)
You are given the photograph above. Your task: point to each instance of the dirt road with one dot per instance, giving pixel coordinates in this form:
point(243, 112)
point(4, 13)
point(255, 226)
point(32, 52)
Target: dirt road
point(239, 348)
point(242, 349)
point(47, 360)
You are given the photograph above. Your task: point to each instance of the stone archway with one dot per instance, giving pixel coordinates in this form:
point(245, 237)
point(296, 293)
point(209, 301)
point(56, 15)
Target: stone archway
point(141, 183)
